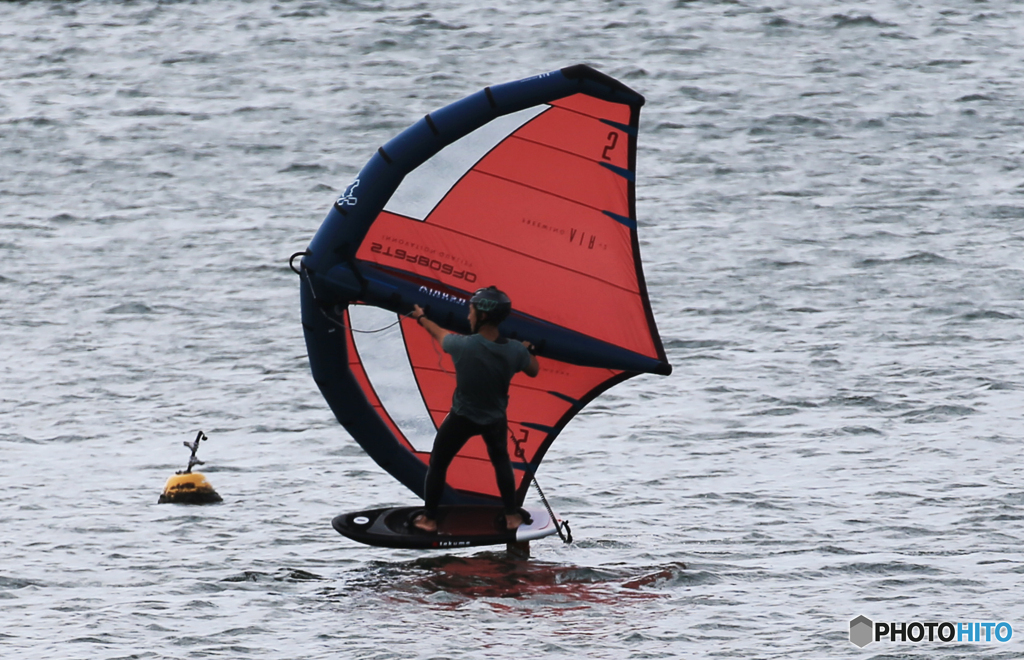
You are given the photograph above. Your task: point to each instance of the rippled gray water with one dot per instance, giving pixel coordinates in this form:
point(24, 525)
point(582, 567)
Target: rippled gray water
point(831, 200)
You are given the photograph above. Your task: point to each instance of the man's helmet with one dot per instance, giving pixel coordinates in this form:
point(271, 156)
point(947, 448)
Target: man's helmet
point(492, 302)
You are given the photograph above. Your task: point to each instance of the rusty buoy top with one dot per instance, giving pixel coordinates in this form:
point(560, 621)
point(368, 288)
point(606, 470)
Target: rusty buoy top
point(188, 487)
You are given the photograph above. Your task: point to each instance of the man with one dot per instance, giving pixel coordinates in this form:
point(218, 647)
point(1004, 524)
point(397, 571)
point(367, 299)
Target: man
point(484, 365)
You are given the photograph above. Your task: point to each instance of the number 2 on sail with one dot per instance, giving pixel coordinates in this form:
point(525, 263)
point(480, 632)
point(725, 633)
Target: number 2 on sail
point(613, 139)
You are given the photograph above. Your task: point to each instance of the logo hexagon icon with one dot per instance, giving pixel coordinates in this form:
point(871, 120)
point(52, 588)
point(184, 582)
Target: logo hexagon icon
point(860, 631)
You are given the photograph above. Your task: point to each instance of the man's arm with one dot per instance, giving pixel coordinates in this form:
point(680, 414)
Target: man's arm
point(533, 368)
point(436, 331)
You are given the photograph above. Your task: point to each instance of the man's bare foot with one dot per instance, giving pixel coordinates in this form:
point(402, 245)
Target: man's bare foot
point(424, 523)
point(513, 520)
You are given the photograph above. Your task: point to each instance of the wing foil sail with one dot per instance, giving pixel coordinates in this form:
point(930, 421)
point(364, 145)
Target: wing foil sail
point(529, 186)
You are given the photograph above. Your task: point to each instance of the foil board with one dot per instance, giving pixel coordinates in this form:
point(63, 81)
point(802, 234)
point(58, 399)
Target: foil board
point(457, 527)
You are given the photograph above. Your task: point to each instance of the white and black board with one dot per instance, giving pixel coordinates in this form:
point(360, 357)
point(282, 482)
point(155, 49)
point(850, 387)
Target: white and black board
point(457, 527)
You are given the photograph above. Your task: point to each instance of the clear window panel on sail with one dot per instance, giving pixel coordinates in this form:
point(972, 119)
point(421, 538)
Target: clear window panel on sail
point(383, 354)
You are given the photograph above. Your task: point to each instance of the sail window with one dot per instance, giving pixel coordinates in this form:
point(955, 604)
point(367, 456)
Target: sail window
point(387, 366)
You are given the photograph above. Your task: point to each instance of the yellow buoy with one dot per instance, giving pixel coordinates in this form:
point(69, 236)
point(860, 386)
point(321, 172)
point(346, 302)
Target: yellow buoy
point(188, 487)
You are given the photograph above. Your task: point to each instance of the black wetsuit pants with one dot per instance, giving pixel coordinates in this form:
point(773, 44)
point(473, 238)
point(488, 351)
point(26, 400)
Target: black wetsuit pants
point(453, 434)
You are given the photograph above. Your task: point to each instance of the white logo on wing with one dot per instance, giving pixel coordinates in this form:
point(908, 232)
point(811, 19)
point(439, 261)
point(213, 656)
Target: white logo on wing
point(349, 197)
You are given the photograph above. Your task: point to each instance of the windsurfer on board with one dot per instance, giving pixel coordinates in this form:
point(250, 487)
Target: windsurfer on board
point(484, 365)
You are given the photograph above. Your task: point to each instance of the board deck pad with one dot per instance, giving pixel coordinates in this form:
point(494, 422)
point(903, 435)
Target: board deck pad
point(457, 527)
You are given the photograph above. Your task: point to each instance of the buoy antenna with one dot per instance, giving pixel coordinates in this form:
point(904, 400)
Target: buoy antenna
point(193, 460)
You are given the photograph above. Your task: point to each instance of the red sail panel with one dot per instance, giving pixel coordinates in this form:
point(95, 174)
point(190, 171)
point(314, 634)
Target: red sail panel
point(556, 173)
point(582, 241)
point(577, 293)
point(546, 217)
point(569, 132)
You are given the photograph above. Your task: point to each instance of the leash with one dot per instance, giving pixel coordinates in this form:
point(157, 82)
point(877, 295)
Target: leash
point(561, 526)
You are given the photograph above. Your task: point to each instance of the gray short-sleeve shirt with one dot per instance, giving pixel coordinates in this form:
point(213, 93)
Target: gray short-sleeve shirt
point(483, 371)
